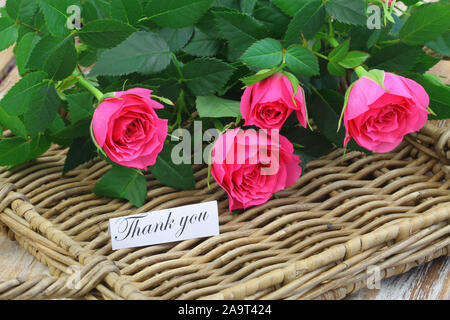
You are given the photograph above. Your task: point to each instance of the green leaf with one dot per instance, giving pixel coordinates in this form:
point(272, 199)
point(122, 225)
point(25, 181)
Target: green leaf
point(56, 56)
point(354, 59)
point(240, 30)
point(81, 151)
point(377, 76)
point(274, 20)
point(202, 45)
point(96, 9)
point(290, 7)
point(314, 144)
point(105, 34)
point(175, 176)
point(265, 53)
point(247, 6)
point(425, 24)
point(56, 16)
point(128, 11)
point(306, 22)
point(80, 106)
point(143, 52)
point(205, 76)
point(176, 38)
point(326, 118)
point(75, 130)
point(8, 32)
point(18, 99)
point(439, 94)
point(43, 109)
point(21, 10)
point(38, 146)
point(302, 61)
point(13, 123)
point(123, 182)
point(176, 13)
point(23, 51)
point(335, 69)
point(398, 58)
point(13, 150)
point(441, 44)
point(261, 75)
point(350, 12)
point(339, 53)
point(215, 107)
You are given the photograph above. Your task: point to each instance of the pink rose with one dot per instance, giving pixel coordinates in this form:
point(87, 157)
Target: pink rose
point(268, 103)
point(251, 166)
point(128, 129)
point(378, 118)
point(389, 1)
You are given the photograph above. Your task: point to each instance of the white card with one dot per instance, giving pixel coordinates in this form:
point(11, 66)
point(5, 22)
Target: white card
point(168, 225)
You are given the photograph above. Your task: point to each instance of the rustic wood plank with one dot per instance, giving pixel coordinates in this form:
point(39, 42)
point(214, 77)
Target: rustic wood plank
point(429, 281)
point(16, 262)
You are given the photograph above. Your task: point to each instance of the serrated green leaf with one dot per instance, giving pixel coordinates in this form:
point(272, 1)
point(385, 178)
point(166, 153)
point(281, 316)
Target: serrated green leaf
point(335, 69)
point(354, 59)
point(128, 11)
point(302, 61)
point(18, 99)
point(175, 176)
point(215, 107)
point(264, 53)
point(13, 150)
point(105, 34)
point(56, 56)
point(202, 45)
point(425, 24)
point(143, 52)
point(274, 20)
point(21, 10)
point(247, 6)
point(240, 30)
point(351, 12)
point(23, 51)
point(397, 58)
point(80, 106)
point(56, 16)
point(176, 13)
point(13, 123)
point(75, 130)
point(123, 182)
point(290, 7)
point(339, 53)
point(8, 32)
point(42, 110)
point(306, 22)
point(205, 76)
point(176, 38)
point(81, 151)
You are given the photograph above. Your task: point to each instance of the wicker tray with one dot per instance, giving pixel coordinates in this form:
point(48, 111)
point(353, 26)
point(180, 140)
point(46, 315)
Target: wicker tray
point(317, 239)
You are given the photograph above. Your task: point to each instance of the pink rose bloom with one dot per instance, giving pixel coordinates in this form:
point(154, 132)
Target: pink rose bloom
point(379, 118)
point(251, 166)
point(128, 129)
point(268, 103)
point(389, 1)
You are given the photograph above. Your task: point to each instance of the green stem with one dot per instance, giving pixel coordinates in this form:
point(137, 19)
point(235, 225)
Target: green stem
point(389, 42)
point(85, 83)
point(320, 55)
point(360, 71)
point(177, 66)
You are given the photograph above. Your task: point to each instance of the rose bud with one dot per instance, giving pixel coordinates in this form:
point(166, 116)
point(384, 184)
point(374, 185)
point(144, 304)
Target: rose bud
point(128, 128)
point(251, 166)
point(378, 117)
point(268, 103)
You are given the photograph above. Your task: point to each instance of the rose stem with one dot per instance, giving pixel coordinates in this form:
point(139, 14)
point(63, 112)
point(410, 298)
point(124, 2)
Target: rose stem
point(97, 93)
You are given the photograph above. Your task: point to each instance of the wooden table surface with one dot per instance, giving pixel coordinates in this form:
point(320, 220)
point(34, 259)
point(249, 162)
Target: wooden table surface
point(429, 281)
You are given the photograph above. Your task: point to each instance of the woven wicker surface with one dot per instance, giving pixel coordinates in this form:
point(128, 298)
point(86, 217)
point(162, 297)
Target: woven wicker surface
point(316, 240)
